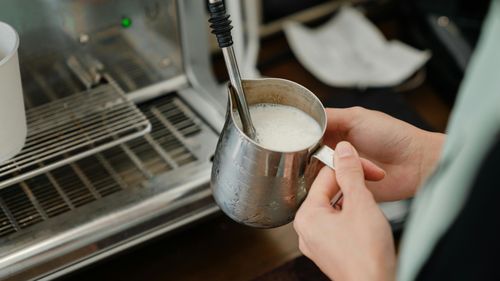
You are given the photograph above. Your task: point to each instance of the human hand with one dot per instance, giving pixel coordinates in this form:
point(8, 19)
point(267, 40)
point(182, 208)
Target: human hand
point(354, 243)
point(407, 154)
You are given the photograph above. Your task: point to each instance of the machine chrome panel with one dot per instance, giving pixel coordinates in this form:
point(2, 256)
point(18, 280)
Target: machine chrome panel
point(89, 209)
point(82, 210)
point(112, 222)
point(136, 42)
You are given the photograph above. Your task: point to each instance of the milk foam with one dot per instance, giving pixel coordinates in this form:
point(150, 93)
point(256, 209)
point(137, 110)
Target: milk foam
point(283, 128)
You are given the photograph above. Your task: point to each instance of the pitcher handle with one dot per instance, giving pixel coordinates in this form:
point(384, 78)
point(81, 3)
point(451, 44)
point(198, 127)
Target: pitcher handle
point(325, 155)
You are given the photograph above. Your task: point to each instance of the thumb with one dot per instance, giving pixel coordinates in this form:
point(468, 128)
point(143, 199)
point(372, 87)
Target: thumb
point(348, 170)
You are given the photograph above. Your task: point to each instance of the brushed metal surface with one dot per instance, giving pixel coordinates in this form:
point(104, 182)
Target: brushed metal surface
point(260, 187)
point(80, 213)
point(120, 220)
point(72, 128)
point(90, 33)
point(77, 214)
point(240, 97)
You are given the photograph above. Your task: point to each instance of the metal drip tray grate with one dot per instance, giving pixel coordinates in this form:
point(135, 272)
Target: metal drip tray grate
point(73, 127)
point(176, 133)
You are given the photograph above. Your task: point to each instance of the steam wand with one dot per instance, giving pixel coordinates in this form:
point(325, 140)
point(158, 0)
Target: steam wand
point(221, 27)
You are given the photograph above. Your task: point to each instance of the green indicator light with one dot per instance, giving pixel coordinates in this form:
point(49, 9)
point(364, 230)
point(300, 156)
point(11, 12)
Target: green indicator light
point(126, 22)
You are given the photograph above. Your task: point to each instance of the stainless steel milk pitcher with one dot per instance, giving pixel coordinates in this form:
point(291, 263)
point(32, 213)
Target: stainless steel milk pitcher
point(257, 186)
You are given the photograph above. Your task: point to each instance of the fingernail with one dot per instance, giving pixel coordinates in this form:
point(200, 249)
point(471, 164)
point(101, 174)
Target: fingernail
point(344, 149)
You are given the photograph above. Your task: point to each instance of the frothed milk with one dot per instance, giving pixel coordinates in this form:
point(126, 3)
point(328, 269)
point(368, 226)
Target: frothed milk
point(283, 128)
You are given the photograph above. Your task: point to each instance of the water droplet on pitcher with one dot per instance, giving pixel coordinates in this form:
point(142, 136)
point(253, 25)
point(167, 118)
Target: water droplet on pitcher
point(274, 205)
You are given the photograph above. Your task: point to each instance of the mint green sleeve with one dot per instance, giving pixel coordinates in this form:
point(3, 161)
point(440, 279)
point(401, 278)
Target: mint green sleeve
point(471, 132)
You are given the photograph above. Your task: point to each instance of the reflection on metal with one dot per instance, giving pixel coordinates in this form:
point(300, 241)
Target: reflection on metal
point(87, 69)
point(54, 31)
point(128, 165)
point(73, 127)
point(68, 241)
point(64, 217)
point(164, 172)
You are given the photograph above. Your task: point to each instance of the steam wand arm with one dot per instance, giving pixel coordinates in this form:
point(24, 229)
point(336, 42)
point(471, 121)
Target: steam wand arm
point(221, 27)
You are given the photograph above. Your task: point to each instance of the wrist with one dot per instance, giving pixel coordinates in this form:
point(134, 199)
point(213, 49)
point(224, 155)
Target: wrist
point(384, 268)
point(431, 148)
point(379, 270)
point(386, 272)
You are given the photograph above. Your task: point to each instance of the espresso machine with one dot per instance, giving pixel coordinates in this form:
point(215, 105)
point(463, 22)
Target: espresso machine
point(123, 118)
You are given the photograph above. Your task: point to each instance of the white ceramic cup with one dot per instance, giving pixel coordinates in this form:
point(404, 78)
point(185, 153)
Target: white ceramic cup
point(12, 113)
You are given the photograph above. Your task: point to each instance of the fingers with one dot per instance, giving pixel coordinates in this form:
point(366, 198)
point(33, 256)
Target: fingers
point(339, 119)
point(349, 171)
point(372, 171)
point(340, 122)
point(325, 186)
point(323, 189)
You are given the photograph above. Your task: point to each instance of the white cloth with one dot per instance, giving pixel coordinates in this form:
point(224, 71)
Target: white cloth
point(349, 51)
